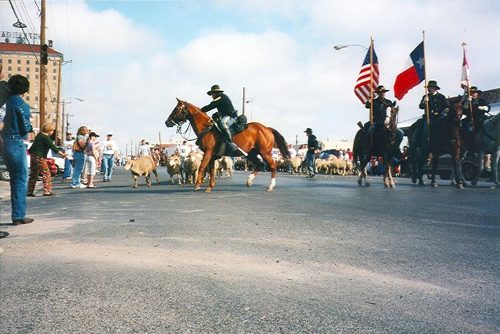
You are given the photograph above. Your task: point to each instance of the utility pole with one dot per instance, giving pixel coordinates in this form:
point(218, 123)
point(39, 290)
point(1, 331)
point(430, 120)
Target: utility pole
point(243, 103)
point(43, 59)
point(58, 109)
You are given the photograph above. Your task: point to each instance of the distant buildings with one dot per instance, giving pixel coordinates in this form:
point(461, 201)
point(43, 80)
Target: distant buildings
point(24, 59)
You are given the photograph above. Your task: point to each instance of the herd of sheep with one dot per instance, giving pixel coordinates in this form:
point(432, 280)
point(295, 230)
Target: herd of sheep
point(186, 171)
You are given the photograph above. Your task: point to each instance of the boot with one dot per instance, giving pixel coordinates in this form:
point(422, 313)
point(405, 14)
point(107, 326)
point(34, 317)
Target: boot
point(227, 135)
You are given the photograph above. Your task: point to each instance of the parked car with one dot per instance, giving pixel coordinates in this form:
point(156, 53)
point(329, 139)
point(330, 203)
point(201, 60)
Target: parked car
point(4, 173)
point(327, 153)
point(55, 162)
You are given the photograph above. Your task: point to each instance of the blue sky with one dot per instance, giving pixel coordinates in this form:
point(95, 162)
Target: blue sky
point(131, 59)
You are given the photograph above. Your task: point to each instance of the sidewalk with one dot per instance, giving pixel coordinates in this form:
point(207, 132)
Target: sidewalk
point(4, 190)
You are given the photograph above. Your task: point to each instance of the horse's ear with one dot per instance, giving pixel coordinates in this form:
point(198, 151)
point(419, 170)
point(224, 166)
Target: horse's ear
point(178, 100)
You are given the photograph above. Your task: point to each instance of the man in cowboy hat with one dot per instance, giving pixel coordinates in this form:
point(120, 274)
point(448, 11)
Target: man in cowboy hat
point(471, 123)
point(225, 116)
point(479, 108)
point(312, 148)
point(438, 104)
point(380, 105)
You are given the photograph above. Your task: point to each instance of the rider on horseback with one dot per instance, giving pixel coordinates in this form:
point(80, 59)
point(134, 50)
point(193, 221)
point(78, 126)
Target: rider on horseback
point(473, 120)
point(380, 105)
point(226, 115)
point(438, 104)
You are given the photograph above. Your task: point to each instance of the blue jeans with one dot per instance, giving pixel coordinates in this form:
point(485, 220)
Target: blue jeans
point(79, 160)
point(68, 169)
point(108, 162)
point(14, 152)
point(311, 163)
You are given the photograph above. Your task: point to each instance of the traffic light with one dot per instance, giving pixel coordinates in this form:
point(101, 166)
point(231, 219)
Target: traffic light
point(44, 55)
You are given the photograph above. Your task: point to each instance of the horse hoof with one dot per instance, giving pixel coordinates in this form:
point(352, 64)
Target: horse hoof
point(367, 184)
point(270, 189)
point(434, 185)
point(360, 182)
point(473, 182)
point(208, 190)
point(460, 186)
point(197, 188)
point(413, 180)
point(421, 183)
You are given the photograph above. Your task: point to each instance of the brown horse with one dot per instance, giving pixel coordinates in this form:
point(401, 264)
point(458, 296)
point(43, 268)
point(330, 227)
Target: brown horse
point(256, 139)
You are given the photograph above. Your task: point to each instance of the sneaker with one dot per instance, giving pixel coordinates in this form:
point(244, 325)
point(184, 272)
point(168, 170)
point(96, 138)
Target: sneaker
point(81, 186)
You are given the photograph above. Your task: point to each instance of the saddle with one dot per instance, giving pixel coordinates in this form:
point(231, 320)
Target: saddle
point(239, 125)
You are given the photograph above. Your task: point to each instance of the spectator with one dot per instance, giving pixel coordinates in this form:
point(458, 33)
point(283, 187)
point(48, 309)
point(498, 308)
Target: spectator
point(183, 151)
point(38, 155)
point(68, 161)
point(17, 126)
point(349, 153)
point(293, 152)
point(109, 152)
point(92, 154)
point(79, 156)
point(143, 149)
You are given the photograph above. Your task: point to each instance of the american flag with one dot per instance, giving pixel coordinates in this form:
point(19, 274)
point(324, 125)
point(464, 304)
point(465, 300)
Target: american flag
point(362, 88)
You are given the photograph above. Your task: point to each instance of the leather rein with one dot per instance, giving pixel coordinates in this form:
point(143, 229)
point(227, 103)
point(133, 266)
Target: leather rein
point(185, 117)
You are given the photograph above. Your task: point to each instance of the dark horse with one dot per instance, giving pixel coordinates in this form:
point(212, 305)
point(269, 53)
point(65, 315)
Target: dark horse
point(256, 139)
point(443, 137)
point(384, 144)
point(486, 139)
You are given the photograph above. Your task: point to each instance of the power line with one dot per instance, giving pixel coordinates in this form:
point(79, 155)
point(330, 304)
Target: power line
point(305, 79)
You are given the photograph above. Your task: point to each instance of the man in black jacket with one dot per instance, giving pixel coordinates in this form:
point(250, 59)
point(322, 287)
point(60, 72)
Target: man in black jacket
point(225, 116)
point(312, 147)
point(438, 104)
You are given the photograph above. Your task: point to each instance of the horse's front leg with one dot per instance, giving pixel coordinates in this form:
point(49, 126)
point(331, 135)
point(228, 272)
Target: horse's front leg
point(211, 176)
point(201, 171)
point(494, 167)
point(480, 164)
point(435, 162)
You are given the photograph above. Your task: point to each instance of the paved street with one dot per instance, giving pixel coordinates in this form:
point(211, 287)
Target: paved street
point(318, 255)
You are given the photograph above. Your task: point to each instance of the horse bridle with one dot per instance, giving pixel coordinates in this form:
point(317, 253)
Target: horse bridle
point(185, 116)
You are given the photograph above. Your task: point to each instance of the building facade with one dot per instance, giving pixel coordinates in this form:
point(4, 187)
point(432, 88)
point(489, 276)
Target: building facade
point(24, 59)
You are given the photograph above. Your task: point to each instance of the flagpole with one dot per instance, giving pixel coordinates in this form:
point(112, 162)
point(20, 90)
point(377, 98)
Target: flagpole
point(371, 81)
point(371, 90)
point(427, 112)
point(468, 89)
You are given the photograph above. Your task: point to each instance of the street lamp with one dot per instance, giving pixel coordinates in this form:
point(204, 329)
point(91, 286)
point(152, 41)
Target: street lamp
point(341, 46)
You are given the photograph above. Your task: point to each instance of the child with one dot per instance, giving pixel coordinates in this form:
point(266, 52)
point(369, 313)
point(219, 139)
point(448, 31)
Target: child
point(38, 154)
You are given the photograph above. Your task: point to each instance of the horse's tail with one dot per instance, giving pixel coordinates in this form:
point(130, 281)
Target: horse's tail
point(281, 144)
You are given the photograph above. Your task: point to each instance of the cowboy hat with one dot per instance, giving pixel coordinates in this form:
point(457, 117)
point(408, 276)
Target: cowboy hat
point(308, 130)
point(214, 89)
point(381, 89)
point(474, 89)
point(433, 83)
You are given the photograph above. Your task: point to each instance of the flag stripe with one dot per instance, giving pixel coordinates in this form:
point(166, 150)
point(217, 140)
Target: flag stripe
point(367, 72)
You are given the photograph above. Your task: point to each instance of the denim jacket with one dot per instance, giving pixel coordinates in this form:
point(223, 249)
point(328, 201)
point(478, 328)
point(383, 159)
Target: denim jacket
point(17, 117)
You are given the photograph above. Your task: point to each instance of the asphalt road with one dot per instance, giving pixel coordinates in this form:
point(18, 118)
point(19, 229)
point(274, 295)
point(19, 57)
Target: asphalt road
point(317, 255)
